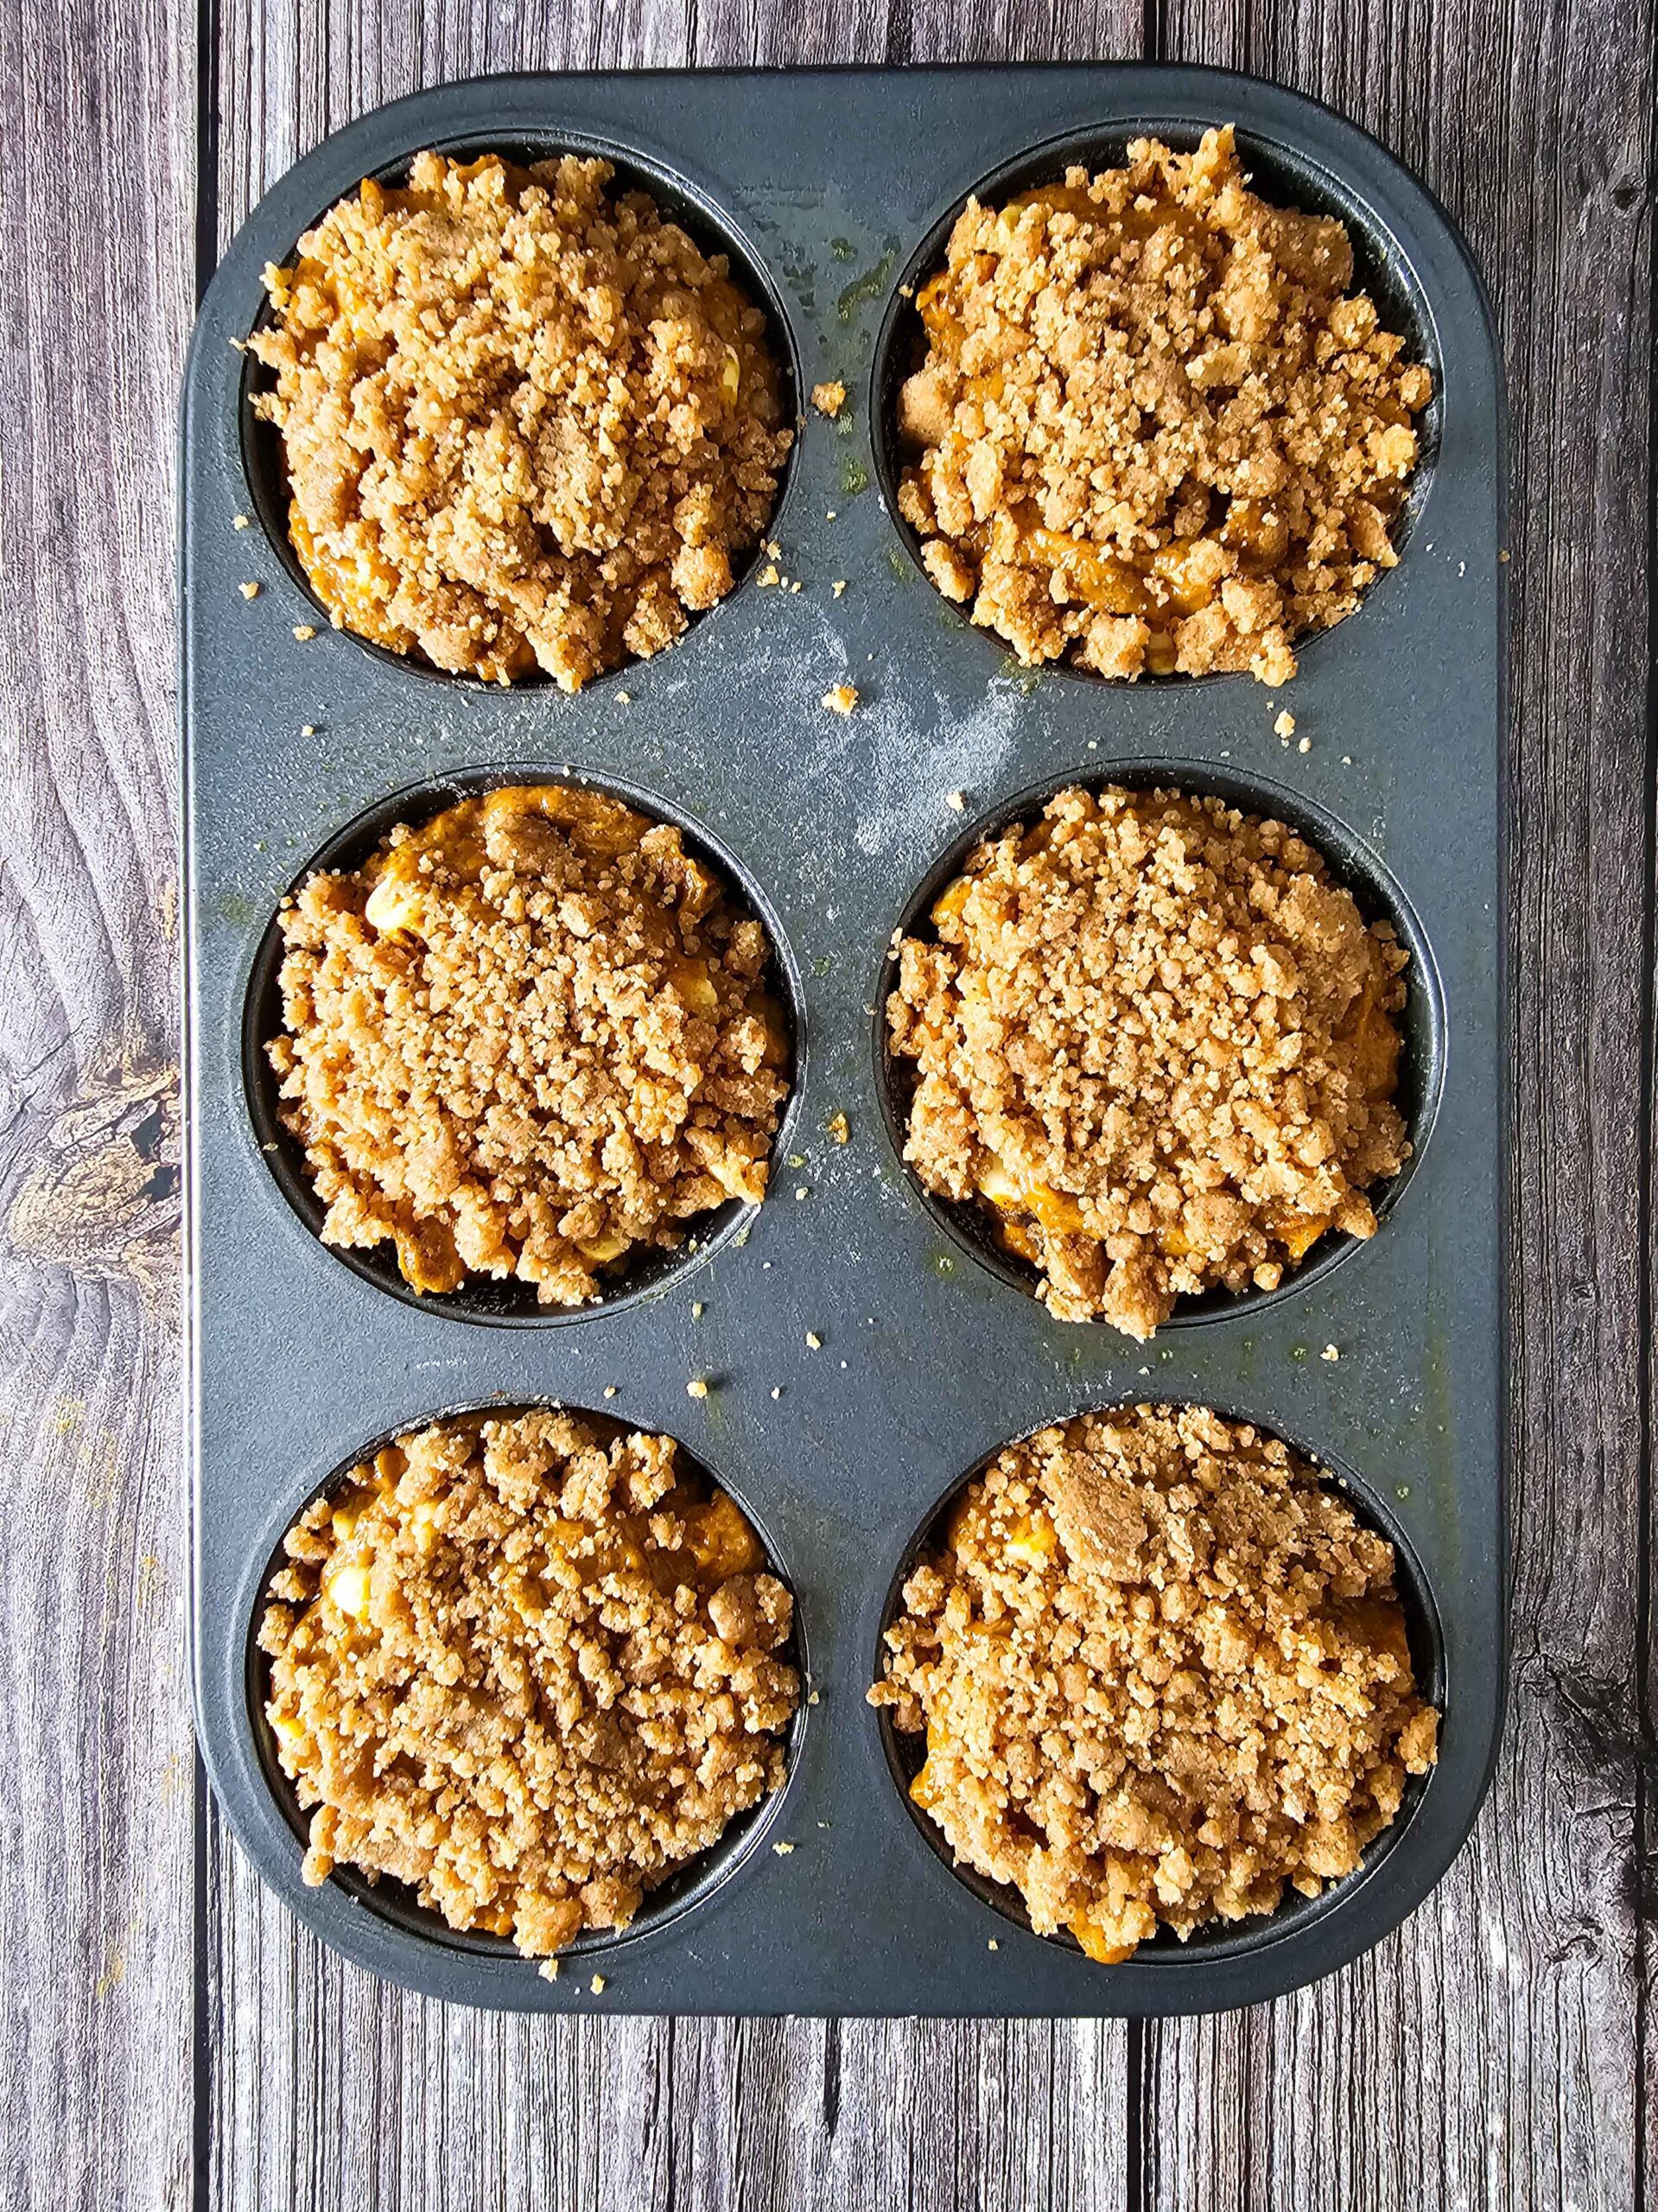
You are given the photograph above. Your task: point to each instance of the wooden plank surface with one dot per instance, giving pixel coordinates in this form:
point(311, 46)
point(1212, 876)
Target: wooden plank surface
point(96, 1759)
point(171, 2036)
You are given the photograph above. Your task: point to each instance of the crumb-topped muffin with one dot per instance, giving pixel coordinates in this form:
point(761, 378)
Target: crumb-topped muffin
point(1155, 429)
point(527, 1039)
point(528, 1671)
point(1163, 1675)
point(1157, 1045)
point(527, 421)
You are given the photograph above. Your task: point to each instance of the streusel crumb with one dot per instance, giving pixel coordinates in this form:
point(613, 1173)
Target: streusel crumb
point(527, 1671)
point(1156, 429)
point(1158, 1045)
point(527, 420)
point(1163, 1672)
point(828, 398)
point(525, 1041)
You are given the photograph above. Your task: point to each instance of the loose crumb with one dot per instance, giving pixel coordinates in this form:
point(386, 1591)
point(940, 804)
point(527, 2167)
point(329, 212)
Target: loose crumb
point(814, 1699)
point(624, 698)
point(528, 421)
point(814, 1341)
point(783, 1849)
point(828, 398)
point(956, 801)
point(238, 522)
point(610, 1389)
point(842, 699)
point(527, 1039)
point(1285, 726)
point(697, 1309)
point(839, 587)
point(993, 1945)
point(249, 590)
point(598, 1985)
point(308, 729)
point(839, 1128)
point(305, 631)
point(1163, 1674)
point(1154, 428)
point(528, 1667)
point(1306, 745)
point(1331, 1351)
point(696, 1387)
point(1157, 1044)
point(802, 1190)
point(775, 1393)
point(548, 1970)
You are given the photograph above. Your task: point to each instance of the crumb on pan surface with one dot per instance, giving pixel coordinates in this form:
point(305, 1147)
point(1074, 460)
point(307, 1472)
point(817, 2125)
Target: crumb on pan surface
point(1162, 1674)
point(527, 420)
point(528, 1671)
point(829, 398)
point(1155, 430)
point(526, 1040)
point(1157, 1044)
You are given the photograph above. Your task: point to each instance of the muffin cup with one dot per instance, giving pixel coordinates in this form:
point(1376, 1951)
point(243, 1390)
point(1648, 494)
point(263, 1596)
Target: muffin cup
point(395, 1903)
point(1212, 1940)
point(1280, 171)
point(1352, 864)
point(265, 464)
point(505, 1302)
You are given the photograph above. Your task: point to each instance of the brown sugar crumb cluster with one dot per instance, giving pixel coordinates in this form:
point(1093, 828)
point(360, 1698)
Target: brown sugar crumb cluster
point(1157, 432)
point(528, 1671)
point(1162, 1674)
point(1157, 1044)
point(527, 420)
point(526, 1040)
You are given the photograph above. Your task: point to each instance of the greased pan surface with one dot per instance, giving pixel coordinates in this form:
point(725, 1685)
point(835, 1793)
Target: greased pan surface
point(835, 187)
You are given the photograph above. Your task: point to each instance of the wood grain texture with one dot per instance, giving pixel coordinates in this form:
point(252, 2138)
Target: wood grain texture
point(96, 1760)
point(1494, 2052)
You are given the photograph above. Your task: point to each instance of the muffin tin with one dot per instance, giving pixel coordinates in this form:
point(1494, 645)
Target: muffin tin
point(834, 191)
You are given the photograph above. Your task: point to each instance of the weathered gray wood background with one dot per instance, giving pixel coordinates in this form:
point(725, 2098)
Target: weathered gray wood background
point(170, 2037)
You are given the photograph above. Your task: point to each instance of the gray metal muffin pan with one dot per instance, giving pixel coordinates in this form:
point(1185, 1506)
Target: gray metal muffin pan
point(833, 189)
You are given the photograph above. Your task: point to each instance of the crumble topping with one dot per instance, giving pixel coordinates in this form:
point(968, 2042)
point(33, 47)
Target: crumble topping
point(1162, 1673)
point(527, 420)
point(526, 1669)
point(1155, 428)
point(526, 1040)
point(1157, 1044)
